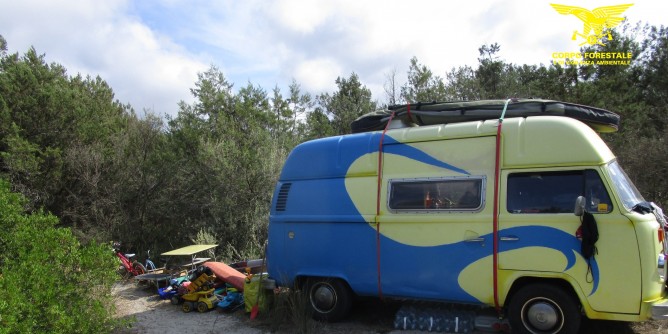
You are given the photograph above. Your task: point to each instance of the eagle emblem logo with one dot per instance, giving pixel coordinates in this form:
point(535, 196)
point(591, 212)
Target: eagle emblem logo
point(597, 22)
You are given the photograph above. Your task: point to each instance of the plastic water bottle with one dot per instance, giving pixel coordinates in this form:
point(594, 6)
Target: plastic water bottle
point(465, 324)
point(440, 323)
point(427, 320)
point(434, 323)
point(405, 319)
point(399, 318)
point(446, 322)
point(422, 320)
point(412, 315)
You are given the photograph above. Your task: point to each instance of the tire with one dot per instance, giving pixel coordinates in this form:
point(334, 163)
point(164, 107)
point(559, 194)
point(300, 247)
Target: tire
point(139, 268)
point(329, 299)
point(176, 300)
point(544, 309)
point(187, 307)
point(202, 307)
point(149, 265)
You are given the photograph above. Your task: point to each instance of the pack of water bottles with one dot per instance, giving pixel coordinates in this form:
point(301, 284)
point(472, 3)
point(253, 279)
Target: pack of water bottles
point(434, 319)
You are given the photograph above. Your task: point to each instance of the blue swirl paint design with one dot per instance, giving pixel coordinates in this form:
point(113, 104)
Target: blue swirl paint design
point(454, 258)
point(394, 147)
point(542, 236)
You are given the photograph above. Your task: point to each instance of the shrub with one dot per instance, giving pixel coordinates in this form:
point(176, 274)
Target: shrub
point(290, 311)
point(49, 281)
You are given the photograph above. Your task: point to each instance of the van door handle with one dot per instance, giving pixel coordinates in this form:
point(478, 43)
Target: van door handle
point(510, 238)
point(475, 240)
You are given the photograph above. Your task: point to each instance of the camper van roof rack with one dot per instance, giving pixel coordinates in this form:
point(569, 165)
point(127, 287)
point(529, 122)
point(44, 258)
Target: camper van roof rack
point(431, 113)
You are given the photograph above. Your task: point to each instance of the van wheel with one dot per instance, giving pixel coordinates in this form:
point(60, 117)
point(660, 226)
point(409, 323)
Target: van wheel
point(544, 309)
point(330, 299)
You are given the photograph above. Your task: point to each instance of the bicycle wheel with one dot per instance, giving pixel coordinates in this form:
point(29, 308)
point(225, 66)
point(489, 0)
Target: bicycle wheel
point(139, 268)
point(149, 265)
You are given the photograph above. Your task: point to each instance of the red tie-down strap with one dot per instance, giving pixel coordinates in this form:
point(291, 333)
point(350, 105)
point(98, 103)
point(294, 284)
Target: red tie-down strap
point(495, 233)
point(380, 180)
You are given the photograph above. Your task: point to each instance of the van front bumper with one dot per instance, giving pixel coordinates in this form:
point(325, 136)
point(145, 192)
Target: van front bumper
point(660, 309)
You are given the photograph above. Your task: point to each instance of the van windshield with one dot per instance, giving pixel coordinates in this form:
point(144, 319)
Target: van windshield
point(627, 191)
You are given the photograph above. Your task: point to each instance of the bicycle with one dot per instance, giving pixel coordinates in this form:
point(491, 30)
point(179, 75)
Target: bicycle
point(149, 265)
point(128, 268)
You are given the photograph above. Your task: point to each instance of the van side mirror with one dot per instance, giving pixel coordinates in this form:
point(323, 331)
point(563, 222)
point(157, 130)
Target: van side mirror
point(580, 206)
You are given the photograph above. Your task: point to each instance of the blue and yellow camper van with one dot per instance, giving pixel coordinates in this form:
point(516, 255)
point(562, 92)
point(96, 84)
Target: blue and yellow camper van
point(491, 212)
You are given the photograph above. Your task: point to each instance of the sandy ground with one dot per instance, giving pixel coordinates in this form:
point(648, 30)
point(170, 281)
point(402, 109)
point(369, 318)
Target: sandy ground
point(147, 313)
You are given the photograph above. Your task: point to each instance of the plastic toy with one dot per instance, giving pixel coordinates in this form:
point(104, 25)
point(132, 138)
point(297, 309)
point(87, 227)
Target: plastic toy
point(199, 295)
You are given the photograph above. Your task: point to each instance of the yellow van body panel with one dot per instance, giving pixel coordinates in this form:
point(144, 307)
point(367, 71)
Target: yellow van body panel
point(534, 141)
point(551, 141)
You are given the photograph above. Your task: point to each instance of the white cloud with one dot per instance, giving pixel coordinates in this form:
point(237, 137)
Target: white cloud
point(317, 74)
point(301, 16)
point(149, 70)
point(143, 67)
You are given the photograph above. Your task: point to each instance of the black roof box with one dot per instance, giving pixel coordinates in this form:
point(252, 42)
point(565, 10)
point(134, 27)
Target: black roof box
point(418, 114)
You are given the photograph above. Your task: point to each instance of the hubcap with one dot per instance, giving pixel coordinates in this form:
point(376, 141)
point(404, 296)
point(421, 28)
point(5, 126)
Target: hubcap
point(542, 315)
point(323, 297)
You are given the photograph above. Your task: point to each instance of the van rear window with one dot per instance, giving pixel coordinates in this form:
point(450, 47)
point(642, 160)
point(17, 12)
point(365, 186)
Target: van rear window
point(456, 193)
point(556, 192)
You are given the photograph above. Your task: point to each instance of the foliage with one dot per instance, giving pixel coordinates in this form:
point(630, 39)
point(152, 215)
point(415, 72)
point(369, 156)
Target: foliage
point(422, 85)
point(289, 311)
point(206, 237)
point(51, 283)
point(490, 72)
point(55, 139)
point(3, 45)
point(351, 101)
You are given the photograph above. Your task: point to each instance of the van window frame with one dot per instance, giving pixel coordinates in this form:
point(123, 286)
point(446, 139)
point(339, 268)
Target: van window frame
point(480, 179)
point(629, 195)
point(590, 178)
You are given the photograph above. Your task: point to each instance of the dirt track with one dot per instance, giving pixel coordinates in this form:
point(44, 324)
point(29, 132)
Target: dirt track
point(155, 315)
point(150, 314)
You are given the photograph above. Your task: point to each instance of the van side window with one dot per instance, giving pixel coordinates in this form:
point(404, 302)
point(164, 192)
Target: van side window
point(556, 192)
point(457, 193)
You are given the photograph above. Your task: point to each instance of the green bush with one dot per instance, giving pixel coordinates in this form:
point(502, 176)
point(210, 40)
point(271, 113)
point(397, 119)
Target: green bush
point(49, 281)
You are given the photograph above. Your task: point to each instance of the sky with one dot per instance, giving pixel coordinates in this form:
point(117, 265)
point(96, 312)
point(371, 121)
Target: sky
point(151, 51)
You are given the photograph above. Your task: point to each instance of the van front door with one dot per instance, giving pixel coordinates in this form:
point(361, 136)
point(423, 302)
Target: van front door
point(538, 235)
